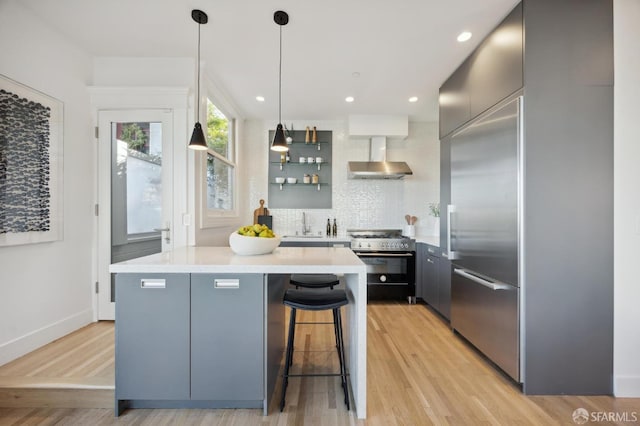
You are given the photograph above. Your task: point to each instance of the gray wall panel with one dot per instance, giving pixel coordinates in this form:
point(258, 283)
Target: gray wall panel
point(568, 197)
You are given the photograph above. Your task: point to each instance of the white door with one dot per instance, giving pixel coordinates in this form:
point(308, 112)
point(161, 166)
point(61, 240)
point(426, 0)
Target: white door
point(135, 192)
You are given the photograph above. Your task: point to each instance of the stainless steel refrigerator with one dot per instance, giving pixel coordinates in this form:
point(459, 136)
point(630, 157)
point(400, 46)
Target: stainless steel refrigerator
point(484, 233)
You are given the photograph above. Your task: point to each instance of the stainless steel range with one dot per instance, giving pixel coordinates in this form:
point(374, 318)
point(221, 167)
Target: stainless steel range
point(390, 259)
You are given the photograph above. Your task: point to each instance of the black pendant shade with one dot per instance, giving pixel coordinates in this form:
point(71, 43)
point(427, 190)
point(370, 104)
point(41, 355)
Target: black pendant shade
point(198, 141)
point(279, 143)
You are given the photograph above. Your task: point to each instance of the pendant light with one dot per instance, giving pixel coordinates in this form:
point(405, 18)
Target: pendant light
point(279, 143)
point(198, 141)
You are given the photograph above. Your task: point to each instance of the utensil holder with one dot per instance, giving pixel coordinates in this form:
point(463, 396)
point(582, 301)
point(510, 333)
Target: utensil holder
point(409, 231)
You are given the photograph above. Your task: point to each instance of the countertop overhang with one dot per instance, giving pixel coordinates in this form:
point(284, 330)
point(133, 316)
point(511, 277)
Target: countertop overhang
point(223, 260)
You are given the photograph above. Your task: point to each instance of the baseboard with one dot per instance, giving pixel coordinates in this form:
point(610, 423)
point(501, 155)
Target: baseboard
point(31, 341)
point(626, 386)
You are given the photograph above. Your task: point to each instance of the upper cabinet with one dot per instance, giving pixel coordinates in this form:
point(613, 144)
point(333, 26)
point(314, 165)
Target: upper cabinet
point(491, 73)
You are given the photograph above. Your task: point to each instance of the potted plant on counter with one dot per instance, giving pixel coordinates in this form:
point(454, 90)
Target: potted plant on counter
point(434, 210)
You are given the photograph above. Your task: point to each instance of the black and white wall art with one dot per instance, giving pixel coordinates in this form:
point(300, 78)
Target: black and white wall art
point(31, 204)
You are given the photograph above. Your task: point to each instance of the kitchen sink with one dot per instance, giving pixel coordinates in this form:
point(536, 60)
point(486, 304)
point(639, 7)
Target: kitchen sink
point(303, 236)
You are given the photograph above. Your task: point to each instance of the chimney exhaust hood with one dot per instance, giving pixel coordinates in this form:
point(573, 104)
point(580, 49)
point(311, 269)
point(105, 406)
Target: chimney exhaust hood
point(377, 167)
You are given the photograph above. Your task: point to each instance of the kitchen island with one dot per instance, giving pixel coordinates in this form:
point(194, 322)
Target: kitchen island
point(202, 327)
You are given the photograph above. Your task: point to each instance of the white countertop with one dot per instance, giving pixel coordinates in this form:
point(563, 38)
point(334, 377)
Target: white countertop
point(428, 239)
point(223, 260)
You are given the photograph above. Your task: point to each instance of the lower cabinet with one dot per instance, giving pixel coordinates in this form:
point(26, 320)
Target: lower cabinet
point(444, 287)
point(190, 337)
point(433, 276)
point(152, 350)
point(227, 360)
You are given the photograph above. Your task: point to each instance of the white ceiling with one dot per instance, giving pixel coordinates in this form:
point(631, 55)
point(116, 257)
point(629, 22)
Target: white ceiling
point(400, 48)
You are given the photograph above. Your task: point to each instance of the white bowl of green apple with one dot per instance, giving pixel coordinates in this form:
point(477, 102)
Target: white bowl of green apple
point(253, 240)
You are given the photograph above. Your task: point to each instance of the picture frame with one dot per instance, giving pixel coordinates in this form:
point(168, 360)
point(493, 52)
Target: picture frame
point(31, 165)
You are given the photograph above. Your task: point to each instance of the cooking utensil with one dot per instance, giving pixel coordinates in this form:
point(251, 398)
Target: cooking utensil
point(413, 220)
point(408, 219)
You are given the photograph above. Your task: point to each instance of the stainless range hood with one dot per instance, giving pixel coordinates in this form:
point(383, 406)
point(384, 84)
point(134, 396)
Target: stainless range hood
point(377, 167)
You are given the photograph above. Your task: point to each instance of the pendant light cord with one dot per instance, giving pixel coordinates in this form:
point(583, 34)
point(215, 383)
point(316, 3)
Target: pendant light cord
point(280, 81)
point(198, 85)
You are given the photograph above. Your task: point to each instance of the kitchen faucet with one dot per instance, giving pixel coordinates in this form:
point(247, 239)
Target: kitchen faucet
point(305, 228)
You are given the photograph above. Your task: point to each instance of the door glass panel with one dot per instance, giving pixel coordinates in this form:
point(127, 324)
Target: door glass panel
point(136, 190)
point(138, 170)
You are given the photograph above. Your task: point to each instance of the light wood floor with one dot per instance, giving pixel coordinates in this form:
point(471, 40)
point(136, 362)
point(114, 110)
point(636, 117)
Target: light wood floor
point(419, 373)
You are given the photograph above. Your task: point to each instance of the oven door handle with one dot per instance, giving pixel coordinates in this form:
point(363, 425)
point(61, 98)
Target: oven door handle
point(378, 254)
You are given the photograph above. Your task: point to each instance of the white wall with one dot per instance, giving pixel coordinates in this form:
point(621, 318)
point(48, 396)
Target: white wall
point(356, 203)
point(45, 289)
point(626, 198)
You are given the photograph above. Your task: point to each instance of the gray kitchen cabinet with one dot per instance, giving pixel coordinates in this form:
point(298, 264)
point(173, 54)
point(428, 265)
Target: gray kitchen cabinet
point(436, 292)
point(566, 130)
point(431, 262)
point(443, 271)
point(302, 195)
point(152, 351)
point(197, 340)
point(455, 105)
point(495, 70)
point(421, 248)
point(304, 244)
point(491, 73)
point(314, 244)
point(227, 360)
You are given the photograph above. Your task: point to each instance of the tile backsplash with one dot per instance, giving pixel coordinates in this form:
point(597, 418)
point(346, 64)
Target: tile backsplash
point(357, 204)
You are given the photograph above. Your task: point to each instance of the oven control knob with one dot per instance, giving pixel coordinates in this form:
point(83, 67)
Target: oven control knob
point(369, 245)
point(383, 278)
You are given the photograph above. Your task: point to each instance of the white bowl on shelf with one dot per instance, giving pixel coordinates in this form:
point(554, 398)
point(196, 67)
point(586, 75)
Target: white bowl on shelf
point(292, 180)
point(279, 180)
point(250, 246)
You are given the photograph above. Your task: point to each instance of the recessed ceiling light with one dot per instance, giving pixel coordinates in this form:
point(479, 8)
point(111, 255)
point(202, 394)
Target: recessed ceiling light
point(413, 99)
point(464, 36)
point(260, 98)
point(349, 99)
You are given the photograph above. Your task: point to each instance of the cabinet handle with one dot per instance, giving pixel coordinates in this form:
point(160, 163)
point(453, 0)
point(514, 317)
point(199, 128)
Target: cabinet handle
point(497, 285)
point(451, 255)
point(429, 260)
point(153, 283)
point(431, 251)
point(226, 283)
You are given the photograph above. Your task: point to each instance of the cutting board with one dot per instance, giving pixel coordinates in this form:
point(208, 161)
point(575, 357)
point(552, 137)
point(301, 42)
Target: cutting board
point(260, 211)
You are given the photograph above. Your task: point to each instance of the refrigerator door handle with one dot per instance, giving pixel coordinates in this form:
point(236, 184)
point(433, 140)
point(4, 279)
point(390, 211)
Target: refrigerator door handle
point(489, 284)
point(452, 254)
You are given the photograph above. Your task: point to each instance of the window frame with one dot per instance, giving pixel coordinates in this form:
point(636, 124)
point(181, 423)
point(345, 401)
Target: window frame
point(217, 218)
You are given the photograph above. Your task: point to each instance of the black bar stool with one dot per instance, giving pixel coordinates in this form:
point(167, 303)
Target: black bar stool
point(315, 301)
point(314, 280)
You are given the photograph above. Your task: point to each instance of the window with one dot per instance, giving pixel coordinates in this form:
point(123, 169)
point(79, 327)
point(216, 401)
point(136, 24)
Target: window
point(220, 166)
